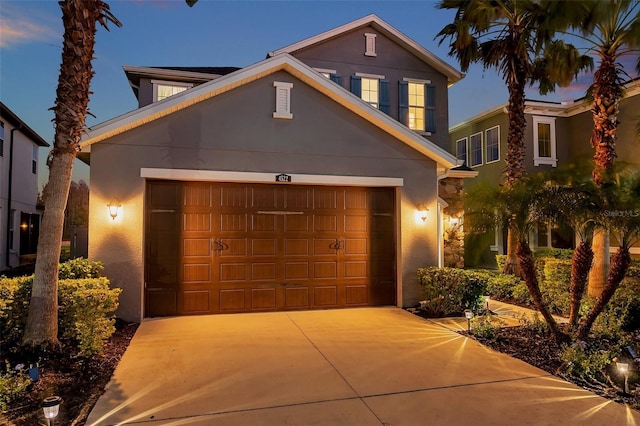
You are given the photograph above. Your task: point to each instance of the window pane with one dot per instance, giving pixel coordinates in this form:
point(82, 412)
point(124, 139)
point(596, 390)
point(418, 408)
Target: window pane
point(492, 144)
point(544, 140)
point(165, 91)
point(416, 106)
point(370, 91)
point(476, 149)
point(461, 149)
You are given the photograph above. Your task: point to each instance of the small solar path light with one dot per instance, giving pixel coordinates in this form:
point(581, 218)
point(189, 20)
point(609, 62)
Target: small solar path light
point(468, 314)
point(50, 407)
point(623, 367)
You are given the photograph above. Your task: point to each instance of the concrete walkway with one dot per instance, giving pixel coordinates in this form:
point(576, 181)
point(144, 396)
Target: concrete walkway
point(369, 366)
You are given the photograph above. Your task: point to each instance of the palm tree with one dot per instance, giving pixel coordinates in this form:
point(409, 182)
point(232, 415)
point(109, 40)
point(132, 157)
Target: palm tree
point(622, 218)
point(612, 29)
point(523, 206)
point(79, 18)
point(516, 38)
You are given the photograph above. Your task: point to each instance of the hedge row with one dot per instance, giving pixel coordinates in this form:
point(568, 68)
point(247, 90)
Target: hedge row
point(450, 291)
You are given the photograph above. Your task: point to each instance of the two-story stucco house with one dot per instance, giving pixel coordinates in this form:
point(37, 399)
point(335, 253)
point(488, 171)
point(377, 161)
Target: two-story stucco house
point(556, 134)
point(19, 214)
point(308, 180)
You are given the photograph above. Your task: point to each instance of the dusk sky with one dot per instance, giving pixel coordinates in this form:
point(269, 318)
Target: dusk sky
point(212, 33)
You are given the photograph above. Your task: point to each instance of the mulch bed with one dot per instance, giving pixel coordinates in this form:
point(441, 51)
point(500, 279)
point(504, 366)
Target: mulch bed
point(78, 381)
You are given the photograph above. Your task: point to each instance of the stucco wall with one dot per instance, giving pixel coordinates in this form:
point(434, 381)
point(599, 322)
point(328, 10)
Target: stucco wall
point(235, 131)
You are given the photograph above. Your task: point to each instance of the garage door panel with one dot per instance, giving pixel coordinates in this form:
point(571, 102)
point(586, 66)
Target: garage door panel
point(356, 269)
point(354, 223)
point(265, 197)
point(233, 272)
point(296, 223)
point(196, 247)
point(233, 222)
point(233, 196)
point(325, 223)
point(196, 273)
point(197, 195)
point(296, 247)
point(263, 298)
point(264, 247)
point(162, 274)
point(325, 296)
point(161, 303)
point(325, 270)
point(263, 271)
point(297, 198)
point(324, 246)
point(296, 297)
point(196, 222)
point(356, 199)
point(325, 198)
point(232, 300)
point(196, 301)
point(356, 295)
point(232, 247)
point(263, 223)
point(296, 270)
point(354, 246)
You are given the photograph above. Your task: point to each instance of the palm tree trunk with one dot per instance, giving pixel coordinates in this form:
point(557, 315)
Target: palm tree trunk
point(525, 258)
point(601, 259)
point(580, 265)
point(511, 266)
point(619, 267)
point(79, 18)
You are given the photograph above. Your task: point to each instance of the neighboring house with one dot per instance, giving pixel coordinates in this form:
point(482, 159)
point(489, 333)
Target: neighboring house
point(19, 213)
point(272, 187)
point(557, 134)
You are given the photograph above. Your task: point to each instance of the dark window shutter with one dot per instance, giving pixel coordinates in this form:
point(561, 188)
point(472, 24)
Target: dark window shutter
point(403, 102)
point(430, 108)
point(335, 78)
point(384, 96)
point(356, 85)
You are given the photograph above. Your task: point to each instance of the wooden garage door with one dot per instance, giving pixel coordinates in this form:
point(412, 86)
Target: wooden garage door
point(222, 248)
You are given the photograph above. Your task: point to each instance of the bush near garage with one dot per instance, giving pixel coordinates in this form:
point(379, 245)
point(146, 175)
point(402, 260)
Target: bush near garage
point(449, 291)
point(86, 307)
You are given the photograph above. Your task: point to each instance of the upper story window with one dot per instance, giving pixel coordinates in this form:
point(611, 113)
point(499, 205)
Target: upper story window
point(34, 160)
point(461, 150)
point(330, 74)
point(283, 100)
point(417, 105)
point(373, 89)
point(544, 141)
point(1, 139)
point(370, 44)
point(164, 89)
point(492, 144)
point(475, 149)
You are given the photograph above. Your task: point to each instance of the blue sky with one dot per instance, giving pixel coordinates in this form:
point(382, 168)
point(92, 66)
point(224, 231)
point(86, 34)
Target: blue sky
point(212, 33)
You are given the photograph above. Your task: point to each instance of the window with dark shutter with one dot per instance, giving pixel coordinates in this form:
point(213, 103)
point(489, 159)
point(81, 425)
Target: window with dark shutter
point(385, 102)
point(403, 102)
point(430, 108)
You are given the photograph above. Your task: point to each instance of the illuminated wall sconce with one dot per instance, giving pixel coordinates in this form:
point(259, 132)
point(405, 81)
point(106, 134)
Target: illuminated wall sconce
point(422, 213)
point(455, 221)
point(113, 210)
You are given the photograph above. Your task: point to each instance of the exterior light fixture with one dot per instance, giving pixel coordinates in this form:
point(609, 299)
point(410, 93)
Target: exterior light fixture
point(468, 314)
point(454, 221)
point(50, 407)
point(422, 213)
point(113, 210)
point(623, 367)
point(486, 298)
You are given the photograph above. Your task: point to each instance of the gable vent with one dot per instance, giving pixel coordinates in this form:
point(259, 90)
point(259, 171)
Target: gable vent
point(283, 100)
point(370, 44)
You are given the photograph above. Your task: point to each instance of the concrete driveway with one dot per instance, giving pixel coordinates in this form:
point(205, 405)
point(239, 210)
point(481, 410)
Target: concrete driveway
point(370, 366)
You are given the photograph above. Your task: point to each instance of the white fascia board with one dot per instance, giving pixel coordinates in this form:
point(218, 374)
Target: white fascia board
point(260, 177)
point(453, 75)
point(254, 72)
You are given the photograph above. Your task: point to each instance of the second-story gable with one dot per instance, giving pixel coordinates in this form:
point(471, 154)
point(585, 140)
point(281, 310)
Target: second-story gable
point(387, 69)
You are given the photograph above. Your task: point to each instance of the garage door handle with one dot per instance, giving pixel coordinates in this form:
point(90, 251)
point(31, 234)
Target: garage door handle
point(217, 245)
point(337, 244)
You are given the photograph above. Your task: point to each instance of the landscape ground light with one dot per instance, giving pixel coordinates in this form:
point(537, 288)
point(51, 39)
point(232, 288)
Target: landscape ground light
point(50, 407)
point(468, 314)
point(623, 367)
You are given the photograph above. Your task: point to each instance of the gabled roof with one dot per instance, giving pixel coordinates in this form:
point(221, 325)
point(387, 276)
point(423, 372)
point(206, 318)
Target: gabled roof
point(195, 75)
point(548, 108)
point(255, 72)
point(16, 122)
point(453, 75)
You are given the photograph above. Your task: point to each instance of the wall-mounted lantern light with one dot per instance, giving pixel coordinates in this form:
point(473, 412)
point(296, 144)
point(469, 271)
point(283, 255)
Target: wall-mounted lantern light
point(114, 208)
point(455, 221)
point(422, 212)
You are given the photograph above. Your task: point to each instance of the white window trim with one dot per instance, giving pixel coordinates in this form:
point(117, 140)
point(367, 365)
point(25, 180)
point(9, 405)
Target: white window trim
point(481, 150)
point(466, 145)
point(325, 70)
point(549, 242)
point(370, 44)
point(374, 76)
point(537, 160)
point(486, 146)
point(496, 246)
point(416, 80)
point(283, 100)
point(157, 83)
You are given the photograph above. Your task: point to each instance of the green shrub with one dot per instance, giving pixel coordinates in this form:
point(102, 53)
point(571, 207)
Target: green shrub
point(85, 316)
point(500, 259)
point(12, 384)
point(581, 361)
point(554, 253)
point(535, 324)
point(502, 286)
point(485, 326)
point(450, 290)
point(80, 268)
point(521, 294)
